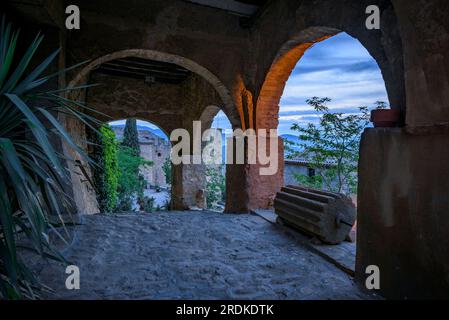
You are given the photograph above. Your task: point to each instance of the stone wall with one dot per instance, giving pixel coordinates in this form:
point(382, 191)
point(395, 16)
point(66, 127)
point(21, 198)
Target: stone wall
point(158, 154)
point(168, 106)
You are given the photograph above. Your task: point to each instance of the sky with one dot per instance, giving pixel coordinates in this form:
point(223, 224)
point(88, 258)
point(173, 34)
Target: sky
point(339, 68)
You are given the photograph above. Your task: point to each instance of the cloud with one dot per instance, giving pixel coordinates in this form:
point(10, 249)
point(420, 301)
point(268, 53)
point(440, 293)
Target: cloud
point(311, 112)
point(362, 66)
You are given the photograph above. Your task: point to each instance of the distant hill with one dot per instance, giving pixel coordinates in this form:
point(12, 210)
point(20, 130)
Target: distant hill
point(290, 137)
point(293, 139)
point(156, 131)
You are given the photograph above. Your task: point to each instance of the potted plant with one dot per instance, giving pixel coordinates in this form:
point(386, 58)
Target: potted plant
point(382, 117)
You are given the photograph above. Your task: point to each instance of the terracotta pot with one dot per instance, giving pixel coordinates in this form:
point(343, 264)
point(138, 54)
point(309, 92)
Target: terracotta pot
point(385, 118)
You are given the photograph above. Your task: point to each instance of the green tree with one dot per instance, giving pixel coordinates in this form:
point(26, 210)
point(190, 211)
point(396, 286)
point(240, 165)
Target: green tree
point(332, 147)
point(131, 183)
point(131, 136)
point(314, 182)
point(215, 186)
point(167, 168)
point(106, 173)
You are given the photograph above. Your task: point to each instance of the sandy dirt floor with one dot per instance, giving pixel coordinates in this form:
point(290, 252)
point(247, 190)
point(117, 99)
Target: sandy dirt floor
point(193, 255)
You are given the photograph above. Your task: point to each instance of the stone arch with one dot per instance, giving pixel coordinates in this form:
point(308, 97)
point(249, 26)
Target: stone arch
point(154, 152)
point(207, 116)
point(267, 107)
point(225, 95)
point(183, 195)
point(272, 87)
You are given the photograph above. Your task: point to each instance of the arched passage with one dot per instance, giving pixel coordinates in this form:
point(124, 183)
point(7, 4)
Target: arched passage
point(267, 113)
point(263, 189)
point(142, 181)
point(173, 100)
point(340, 69)
point(216, 175)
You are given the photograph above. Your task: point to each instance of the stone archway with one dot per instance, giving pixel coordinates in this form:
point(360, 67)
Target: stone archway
point(207, 118)
point(202, 79)
point(208, 115)
point(191, 192)
point(224, 93)
point(272, 87)
point(155, 146)
point(267, 106)
point(266, 116)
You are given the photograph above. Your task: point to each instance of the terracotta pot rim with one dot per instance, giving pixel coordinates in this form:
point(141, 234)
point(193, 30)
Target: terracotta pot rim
point(385, 118)
point(395, 111)
point(385, 115)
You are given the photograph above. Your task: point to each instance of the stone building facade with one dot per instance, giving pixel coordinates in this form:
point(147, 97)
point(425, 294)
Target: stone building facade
point(158, 153)
point(303, 167)
point(296, 167)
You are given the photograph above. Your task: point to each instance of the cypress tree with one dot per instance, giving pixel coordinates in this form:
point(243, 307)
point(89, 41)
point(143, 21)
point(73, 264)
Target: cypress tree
point(131, 136)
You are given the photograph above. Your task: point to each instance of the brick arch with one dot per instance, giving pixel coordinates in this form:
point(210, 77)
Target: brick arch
point(267, 107)
point(273, 85)
point(222, 90)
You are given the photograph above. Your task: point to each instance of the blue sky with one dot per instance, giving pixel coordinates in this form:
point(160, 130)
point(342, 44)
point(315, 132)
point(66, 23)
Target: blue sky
point(339, 68)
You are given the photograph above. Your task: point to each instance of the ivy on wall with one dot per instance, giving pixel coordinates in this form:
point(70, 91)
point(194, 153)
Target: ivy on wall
point(117, 178)
point(106, 174)
point(215, 187)
point(167, 171)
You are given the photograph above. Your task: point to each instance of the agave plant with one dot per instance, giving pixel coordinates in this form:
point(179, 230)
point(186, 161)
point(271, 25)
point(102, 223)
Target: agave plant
point(31, 170)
